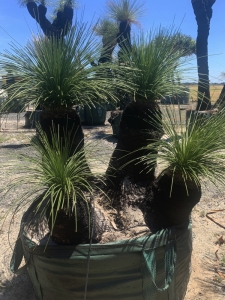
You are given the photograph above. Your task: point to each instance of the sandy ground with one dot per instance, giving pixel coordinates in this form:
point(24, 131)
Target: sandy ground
point(208, 237)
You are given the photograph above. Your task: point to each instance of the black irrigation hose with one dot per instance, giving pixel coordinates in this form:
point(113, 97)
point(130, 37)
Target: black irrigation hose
point(89, 251)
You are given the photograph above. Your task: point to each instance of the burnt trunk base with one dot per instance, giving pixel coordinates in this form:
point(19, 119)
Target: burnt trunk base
point(140, 123)
point(165, 208)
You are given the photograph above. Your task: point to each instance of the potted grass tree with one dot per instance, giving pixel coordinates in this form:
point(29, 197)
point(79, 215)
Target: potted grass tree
point(57, 74)
point(187, 155)
point(152, 57)
point(64, 187)
point(125, 268)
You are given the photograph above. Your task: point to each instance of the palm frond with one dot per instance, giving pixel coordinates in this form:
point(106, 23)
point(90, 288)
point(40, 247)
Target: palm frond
point(125, 10)
point(60, 4)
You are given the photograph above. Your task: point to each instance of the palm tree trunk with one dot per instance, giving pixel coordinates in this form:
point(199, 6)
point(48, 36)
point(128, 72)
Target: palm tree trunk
point(203, 13)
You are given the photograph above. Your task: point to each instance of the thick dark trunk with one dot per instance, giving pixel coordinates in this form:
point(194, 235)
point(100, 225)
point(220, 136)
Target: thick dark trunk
point(61, 24)
point(204, 102)
point(123, 38)
point(164, 210)
point(106, 55)
point(203, 13)
point(65, 123)
point(136, 131)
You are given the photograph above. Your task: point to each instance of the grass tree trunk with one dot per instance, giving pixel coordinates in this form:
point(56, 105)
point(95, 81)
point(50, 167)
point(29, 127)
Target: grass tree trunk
point(61, 23)
point(136, 132)
point(203, 13)
point(166, 208)
point(221, 100)
point(123, 37)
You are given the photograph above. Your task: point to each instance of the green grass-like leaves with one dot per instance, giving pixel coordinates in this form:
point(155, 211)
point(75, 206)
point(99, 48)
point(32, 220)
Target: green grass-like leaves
point(51, 177)
point(108, 30)
point(125, 10)
point(57, 73)
point(192, 152)
point(157, 67)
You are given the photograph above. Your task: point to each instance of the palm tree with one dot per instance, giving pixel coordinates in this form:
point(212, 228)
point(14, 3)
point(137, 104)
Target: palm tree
point(203, 13)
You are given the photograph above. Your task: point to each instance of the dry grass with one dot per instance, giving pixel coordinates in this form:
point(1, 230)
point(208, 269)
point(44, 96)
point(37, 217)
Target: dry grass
point(214, 91)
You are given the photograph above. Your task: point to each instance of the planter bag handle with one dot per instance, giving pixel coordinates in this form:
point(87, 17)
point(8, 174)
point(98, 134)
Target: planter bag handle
point(17, 257)
point(166, 238)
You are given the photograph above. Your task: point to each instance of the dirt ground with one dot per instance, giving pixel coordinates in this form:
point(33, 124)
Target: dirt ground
point(207, 280)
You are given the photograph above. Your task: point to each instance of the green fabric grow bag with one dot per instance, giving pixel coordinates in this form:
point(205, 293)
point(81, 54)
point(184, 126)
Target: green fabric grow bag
point(154, 267)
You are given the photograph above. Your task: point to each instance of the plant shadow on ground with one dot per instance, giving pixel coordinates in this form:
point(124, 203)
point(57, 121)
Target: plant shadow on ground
point(99, 135)
point(11, 289)
point(214, 284)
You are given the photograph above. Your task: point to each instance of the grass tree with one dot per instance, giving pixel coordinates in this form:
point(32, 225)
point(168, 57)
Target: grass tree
point(125, 12)
point(186, 156)
point(58, 185)
point(56, 74)
point(108, 31)
point(154, 59)
point(62, 20)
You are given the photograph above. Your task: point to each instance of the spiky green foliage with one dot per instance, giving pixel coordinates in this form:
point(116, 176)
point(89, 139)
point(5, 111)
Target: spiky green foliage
point(187, 44)
point(52, 177)
point(61, 3)
point(57, 73)
point(106, 29)
point(155, 59)
point(192, 152)
point(125, 10)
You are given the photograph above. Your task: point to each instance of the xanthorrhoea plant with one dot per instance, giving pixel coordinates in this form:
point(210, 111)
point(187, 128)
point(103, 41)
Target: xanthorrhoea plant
point(186, 155)
point(57, 74)
point(60, 186)
point(62, 19)
point(108, 30)
point(155, 61)
point(125, 12)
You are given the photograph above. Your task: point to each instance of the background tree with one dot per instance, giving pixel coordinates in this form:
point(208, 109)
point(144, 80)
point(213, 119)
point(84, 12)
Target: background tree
point(125, 12)
point(107, 30)
point(62, 20)
point(203, 13)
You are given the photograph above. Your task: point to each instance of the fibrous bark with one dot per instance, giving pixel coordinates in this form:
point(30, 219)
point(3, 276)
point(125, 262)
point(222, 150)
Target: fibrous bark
point(60, 25)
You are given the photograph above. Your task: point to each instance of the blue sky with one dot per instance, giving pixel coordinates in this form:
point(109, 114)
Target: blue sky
point(16, 23)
